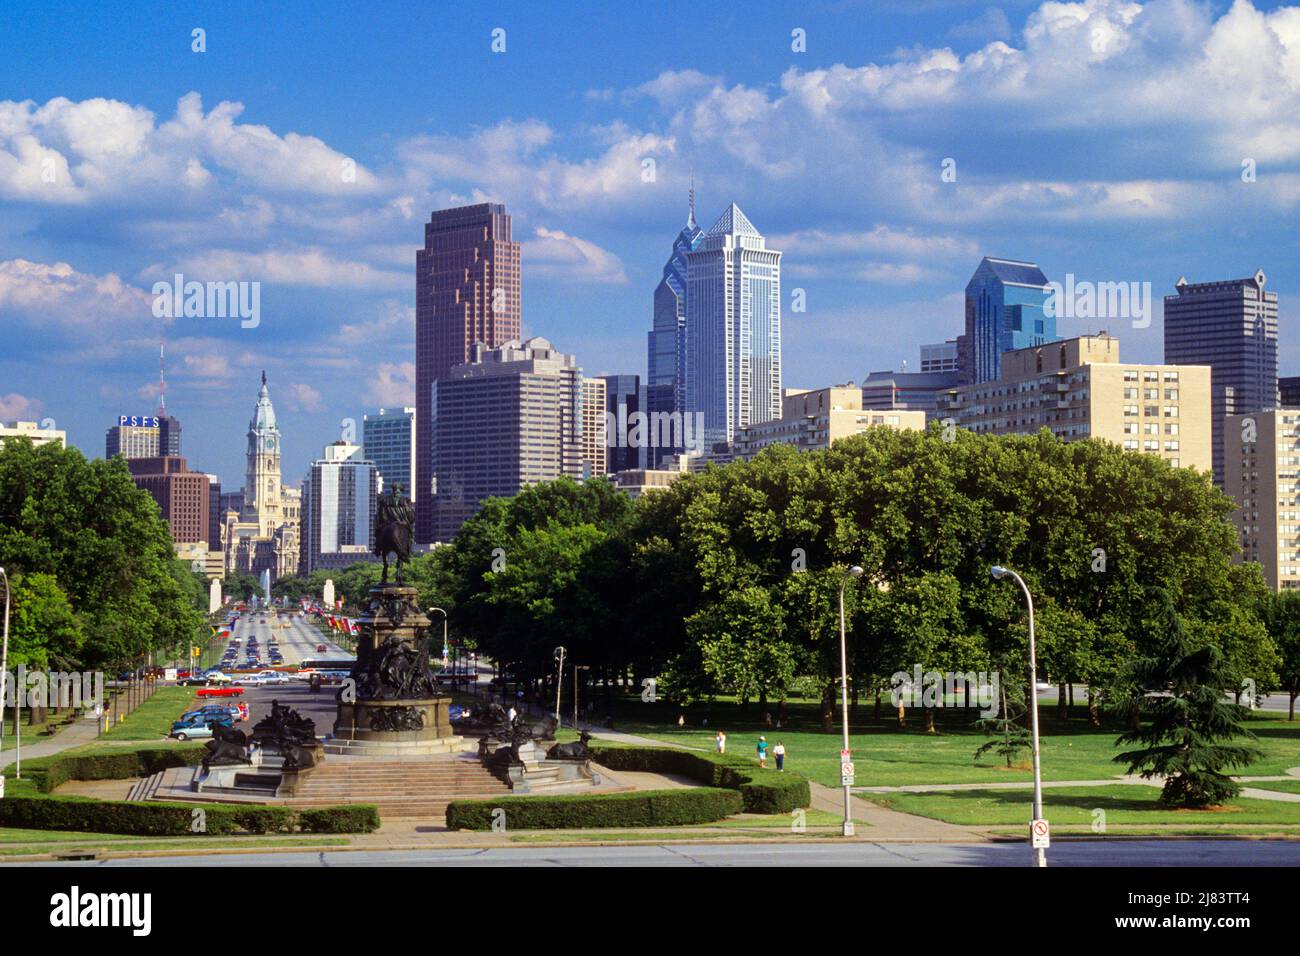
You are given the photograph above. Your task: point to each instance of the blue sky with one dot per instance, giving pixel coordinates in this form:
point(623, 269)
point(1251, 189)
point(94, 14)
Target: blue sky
point(1104, 139)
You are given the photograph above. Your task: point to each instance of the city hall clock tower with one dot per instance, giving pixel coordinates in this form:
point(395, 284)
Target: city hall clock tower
point(263, 499)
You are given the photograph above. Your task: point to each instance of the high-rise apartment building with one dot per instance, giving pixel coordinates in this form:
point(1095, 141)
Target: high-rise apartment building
point(1262, 475)
point(594, 451)
point(33, 432)
point(509, 418)
point(1077, 388)
point(817, 418)
point(467, 291)
point(733, 328)
point(665, 387)
point(1005, 309)
point(1231, 326)
point(339, 501)
point(389, 441)
point(1288, 391)
point(624, 398)
point(134, 436)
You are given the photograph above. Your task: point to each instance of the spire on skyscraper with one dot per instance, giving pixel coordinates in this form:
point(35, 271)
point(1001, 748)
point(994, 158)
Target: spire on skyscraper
point(162, 380)
point(690, 219)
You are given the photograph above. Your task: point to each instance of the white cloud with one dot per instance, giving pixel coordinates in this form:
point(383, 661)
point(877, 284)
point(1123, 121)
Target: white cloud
point(58, 295)
point(555, 253)
point(300, 397)
point(297, 267)
point(14, 407)
point(392, 384)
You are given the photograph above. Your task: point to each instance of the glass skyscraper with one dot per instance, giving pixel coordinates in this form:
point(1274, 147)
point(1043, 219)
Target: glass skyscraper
point(665, 389)
point(389, 441)
point(1230, 326)
point(733, 328)
point(1005, 301)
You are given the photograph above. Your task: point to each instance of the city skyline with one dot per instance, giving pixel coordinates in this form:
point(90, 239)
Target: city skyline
point(243, 181)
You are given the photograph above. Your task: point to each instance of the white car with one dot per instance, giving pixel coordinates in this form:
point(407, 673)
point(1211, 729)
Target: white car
point(217, 677)
point(252, 680)
point(273, 677)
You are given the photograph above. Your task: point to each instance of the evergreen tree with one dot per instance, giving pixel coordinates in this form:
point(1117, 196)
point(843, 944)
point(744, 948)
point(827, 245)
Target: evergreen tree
point(1191, 726)
point(1010, 736)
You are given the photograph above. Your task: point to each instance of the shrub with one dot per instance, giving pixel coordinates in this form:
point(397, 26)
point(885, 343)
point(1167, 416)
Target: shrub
point(48, 772)
point(354, 818)
point(650, 808)
point(762, 791)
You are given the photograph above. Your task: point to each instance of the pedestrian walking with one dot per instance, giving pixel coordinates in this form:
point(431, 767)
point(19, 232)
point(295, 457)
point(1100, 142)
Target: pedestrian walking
point(681, 720)
point(721, 741)
point(779, 753)
point(762, 752)
point(767, 719)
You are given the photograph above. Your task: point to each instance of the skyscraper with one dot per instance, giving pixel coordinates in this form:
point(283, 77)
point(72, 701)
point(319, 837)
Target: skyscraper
point(511, 417)
point(1004, 310)
point(624, 397)
point(389, 440)
point(467, 290)
point(733, 328)
point(338, 509)
point(595, 456)
point(1230, 326)
point(134, 436)
point(666, 341)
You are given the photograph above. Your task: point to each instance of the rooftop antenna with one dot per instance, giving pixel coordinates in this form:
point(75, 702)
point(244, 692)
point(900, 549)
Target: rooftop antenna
point(690, 220)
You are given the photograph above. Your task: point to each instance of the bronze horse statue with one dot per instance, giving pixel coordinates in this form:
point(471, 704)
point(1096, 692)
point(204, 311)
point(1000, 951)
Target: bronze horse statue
point(394, 530)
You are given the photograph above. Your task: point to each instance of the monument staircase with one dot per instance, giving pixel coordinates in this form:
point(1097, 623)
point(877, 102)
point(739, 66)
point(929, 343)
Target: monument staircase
point(401, 789)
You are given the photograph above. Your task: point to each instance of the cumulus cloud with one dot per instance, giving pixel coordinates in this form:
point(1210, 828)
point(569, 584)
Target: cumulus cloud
point(556, 253)
point(14, 407)
point(56, 294)
point(295, 267)
point(391, 385)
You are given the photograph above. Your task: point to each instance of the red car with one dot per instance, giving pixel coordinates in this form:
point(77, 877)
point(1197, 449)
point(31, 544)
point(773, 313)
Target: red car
point(220, 691)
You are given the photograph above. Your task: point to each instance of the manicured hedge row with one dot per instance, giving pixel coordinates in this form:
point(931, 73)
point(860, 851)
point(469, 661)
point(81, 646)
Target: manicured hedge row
point(763, 791)
point(649, 808)
point(48, 772)
point(155, 818)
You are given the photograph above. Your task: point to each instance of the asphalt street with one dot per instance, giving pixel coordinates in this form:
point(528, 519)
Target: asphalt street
point(1171, 853)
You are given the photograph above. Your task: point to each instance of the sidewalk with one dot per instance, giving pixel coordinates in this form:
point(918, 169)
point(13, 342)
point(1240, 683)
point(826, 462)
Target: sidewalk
point(81, 731)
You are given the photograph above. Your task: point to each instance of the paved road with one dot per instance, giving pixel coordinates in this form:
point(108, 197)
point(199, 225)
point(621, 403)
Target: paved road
point(298, 639)
point(1173, 853)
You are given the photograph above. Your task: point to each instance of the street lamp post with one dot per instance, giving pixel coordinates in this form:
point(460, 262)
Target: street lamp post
point(444, 631)
point(999, 572)
point(559, 679)
point(854, 572)
point(4, 661)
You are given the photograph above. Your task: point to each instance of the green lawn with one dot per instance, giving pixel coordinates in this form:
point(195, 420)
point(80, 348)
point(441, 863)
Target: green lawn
point(1067, 806)
point(884, 755)
point(153, 719)
point(20, 842)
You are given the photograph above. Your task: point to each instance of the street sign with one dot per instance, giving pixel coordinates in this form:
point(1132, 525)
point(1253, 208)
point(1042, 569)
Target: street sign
point(846, 774)
point(1040, 835)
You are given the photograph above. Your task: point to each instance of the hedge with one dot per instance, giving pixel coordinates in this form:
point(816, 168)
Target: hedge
point(763, 791)
point(649, 808)
point(118, 764)
point(157, 818)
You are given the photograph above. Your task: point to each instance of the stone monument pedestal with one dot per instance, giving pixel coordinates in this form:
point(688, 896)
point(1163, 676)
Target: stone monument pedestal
point(395, 707)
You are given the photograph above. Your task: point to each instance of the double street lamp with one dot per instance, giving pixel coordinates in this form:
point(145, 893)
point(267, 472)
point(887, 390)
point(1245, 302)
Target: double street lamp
point(999, 572)
point(853, 572)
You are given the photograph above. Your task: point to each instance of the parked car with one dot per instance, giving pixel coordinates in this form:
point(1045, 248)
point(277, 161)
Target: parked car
point(186, 730)
point(193, 682)
point(210, 712)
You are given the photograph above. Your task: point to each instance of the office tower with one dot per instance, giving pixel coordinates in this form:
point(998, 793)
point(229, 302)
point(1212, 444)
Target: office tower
point(1261, 474)
point(339, 500)
point(182, 496)
point(389, 441)
point(169, 436)
point(665, 389)
point(509, 418)
point(918, 391)
point(1231, 326)
point(1077, 388)
point(33, 432)
point(467, 290)
point(1288, 391)
point(624, 398)
point(214, 513)
point(817, 418)
point(733, 328)
point(134, 436)
point(1005, 301)
point(940, 357)
point(594, 453)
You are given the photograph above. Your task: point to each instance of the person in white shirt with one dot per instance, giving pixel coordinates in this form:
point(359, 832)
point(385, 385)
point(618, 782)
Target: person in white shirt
point(721, 741)
point(779, 752)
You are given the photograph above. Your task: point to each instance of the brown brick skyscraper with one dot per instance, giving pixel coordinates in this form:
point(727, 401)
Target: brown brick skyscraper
point(466, 291)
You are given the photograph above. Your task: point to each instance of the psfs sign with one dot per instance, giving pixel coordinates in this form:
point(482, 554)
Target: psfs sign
point(138, 421)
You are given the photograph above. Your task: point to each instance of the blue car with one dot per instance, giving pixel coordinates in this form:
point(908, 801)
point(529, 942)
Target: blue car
point(193, 729)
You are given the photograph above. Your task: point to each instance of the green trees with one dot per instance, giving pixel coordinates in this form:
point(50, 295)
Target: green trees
point(100, 581)
point(727, 582)
point(1189, 737)
point(1280, 614)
